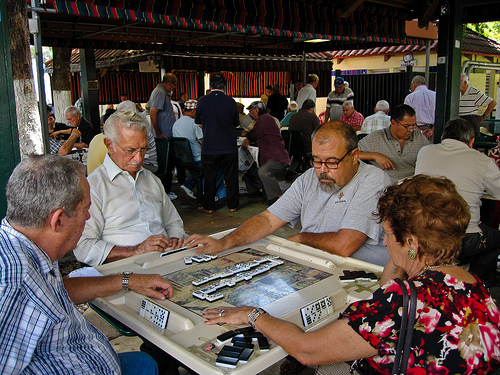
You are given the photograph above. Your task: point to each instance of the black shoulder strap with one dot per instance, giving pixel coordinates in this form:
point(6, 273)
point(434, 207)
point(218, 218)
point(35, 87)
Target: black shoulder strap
point(406, 330)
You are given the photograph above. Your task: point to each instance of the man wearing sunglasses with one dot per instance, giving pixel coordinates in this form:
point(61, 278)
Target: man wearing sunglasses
point(395, 148)
point(334, 202)
point(130, 212)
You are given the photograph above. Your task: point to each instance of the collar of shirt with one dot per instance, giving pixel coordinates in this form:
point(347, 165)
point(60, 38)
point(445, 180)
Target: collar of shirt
point(41, 257)
point(390, 137)
point(421, 88)
point(113, 170)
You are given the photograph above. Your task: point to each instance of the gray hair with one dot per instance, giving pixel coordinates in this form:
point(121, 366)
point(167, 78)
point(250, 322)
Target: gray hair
point(41, 184)
point(120, 120)
point(459, 129)
point(382, 105)
point(312, 78)
point(73, 110)
point(348, 103)
point(464, 78)
point(419, 80)
point(126, 106)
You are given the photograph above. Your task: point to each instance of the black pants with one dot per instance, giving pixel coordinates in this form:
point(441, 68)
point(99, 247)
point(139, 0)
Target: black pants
point(211, 165)
point(481, 251)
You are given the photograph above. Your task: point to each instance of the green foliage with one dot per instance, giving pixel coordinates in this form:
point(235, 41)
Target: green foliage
point(46, 51)
point(488, 29)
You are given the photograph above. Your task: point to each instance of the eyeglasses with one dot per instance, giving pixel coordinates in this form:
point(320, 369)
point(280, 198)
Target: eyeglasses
point(407, 127)
point(329, 164)
point(132, 152)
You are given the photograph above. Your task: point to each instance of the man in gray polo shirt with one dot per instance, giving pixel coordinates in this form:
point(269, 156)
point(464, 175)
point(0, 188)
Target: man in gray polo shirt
point(395, 149)
point(334, 201)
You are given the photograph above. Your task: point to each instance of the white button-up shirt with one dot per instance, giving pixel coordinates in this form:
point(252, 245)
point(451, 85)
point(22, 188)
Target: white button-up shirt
point(125, 212)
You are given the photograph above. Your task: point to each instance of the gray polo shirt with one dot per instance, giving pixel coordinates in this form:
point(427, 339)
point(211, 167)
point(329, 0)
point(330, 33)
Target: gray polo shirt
point(351, 207)
point(384, 143)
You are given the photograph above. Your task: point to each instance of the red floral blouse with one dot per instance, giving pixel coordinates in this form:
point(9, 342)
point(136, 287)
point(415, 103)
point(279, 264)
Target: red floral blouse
point(456, 329)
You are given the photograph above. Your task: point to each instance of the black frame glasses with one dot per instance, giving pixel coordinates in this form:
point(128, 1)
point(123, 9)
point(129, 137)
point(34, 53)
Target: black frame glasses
point(329, 164)
point(407, 127)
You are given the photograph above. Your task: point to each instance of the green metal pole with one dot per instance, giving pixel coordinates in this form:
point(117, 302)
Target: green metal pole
point(9, 152)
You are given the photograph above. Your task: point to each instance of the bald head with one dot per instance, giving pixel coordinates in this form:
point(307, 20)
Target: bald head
point(336, 129)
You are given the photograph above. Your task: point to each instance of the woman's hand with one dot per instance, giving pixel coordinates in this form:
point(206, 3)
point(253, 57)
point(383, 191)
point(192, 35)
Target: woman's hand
point(229, 315)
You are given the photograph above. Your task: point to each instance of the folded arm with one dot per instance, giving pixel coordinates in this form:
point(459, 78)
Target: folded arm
point(345, 242)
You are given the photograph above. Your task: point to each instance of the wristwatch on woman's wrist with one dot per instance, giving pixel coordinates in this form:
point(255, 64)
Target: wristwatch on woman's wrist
point(126, 276)
point(252, 317)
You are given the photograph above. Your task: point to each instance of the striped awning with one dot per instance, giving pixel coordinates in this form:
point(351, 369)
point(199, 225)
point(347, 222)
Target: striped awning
point(298, 19)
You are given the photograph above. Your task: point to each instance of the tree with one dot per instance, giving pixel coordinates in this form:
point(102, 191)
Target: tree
point(488, 29)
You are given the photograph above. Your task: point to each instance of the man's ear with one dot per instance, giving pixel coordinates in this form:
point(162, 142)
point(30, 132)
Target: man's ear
point(56, 219)
point(355, 155)
point(109, 144)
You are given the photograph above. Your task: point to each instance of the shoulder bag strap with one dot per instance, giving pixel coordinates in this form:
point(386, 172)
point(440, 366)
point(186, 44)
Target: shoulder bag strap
point(411, 325)
point(402, 330)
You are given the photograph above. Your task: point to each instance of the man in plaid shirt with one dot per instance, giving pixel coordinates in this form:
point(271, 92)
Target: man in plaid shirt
point(351, 116)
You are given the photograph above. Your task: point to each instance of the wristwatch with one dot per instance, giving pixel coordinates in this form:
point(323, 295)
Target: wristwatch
point(252, 317)
point(126, 276)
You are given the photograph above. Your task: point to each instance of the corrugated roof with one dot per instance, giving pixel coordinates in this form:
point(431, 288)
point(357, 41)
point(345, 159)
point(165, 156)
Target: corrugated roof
point(473, 43)
point(477, 44)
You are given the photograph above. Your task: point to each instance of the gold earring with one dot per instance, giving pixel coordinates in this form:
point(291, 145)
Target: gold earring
point(412, 253)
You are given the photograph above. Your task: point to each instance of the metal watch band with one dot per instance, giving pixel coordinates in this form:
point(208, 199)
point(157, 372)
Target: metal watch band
point(126, 276)
point(252, 317)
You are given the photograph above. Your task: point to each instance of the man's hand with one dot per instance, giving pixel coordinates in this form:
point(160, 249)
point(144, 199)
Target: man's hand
point(209, 245)
point(428, 132)
point(383, 161)
point(153, 286)
point(245, 144)
point(157, 242)
point(75, 133)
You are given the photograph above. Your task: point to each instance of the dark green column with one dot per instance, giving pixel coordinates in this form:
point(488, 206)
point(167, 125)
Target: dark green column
point(89, 88)
point(449, 62)
point(9, 152)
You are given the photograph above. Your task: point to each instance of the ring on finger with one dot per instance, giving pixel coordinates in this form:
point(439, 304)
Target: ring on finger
point(221, 312)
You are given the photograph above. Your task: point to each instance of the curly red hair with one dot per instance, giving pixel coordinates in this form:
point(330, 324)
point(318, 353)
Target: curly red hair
point(430, 209)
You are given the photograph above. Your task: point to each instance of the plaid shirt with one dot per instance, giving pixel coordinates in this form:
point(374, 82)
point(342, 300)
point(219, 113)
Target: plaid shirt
point(54, 145)
point(378, 121)
point(355, 120)
point(42, 330)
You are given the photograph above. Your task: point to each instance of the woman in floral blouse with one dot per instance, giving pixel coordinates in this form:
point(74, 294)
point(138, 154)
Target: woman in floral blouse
point(457, 324)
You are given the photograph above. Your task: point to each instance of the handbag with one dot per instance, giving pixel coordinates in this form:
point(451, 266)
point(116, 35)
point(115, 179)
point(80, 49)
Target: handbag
point(361, 366)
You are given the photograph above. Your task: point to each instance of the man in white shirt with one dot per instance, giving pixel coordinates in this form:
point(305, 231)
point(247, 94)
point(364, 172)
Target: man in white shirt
point(130, 212)
point(423, 101)
point(308, 91)
point(470, 101)
point(472, 172)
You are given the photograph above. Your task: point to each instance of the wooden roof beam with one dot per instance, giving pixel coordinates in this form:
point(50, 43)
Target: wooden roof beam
point(349, 7)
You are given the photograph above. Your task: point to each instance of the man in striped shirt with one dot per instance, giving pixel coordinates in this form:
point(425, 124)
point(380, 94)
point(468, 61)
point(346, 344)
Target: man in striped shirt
point(470, 101)
point(336, 98)
point(42, 330)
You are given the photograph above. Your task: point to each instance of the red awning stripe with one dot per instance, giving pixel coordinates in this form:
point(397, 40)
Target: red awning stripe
point(379, 24)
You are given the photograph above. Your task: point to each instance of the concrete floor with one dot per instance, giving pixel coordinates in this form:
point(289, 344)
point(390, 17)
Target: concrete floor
point(200, 222)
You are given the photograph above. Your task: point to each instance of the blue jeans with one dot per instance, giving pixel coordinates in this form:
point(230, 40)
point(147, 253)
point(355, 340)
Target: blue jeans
point(137, 363)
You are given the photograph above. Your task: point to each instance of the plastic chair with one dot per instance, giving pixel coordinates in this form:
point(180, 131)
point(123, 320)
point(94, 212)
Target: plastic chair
point(286, 137)
point(183, 156)
point(162, 150)
point(297, 149)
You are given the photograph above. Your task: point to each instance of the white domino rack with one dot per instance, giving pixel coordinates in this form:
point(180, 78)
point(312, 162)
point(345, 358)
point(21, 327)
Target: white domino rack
point(183, 334)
